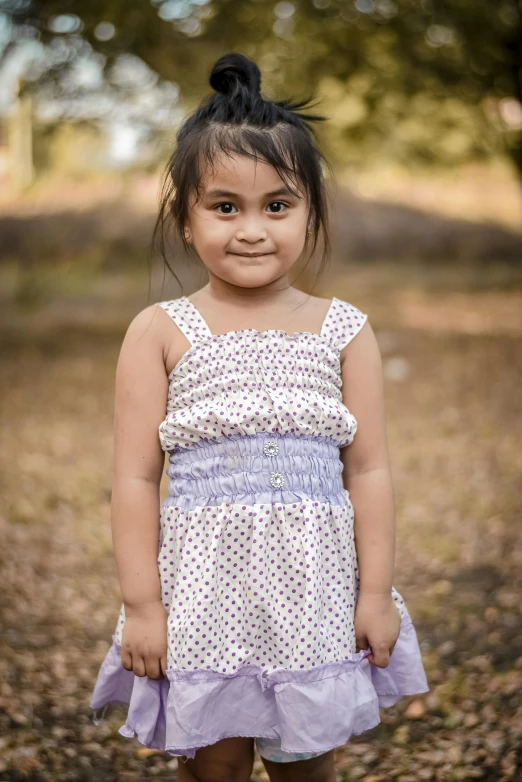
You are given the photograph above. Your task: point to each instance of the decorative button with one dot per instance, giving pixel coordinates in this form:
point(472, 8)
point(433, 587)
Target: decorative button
point(270, 448)
point(277, 479)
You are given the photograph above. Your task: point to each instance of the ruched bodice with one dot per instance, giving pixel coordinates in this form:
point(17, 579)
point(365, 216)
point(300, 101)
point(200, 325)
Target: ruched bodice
point(252, 382)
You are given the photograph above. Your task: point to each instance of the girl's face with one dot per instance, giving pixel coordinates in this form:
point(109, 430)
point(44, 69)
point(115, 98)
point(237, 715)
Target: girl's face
point(247, 227)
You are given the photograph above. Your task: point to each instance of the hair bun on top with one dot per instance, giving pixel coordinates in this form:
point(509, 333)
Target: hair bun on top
point(233, 71)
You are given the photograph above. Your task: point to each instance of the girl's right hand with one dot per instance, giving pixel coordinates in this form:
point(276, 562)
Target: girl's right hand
point(144, 640)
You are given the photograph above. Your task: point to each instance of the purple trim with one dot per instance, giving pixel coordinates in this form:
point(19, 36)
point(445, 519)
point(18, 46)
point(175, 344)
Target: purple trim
point(237, 470)
point(194, 708)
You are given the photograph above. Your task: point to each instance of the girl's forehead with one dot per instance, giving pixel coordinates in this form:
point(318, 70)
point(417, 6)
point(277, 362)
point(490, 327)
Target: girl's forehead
point(241, 174)
point(238, 168)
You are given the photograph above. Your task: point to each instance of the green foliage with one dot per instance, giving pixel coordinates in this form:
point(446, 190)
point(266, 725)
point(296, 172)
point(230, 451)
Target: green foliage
point(413, 80)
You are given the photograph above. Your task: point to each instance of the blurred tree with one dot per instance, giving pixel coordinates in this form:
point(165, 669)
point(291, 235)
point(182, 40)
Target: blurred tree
point(437, 81)
point(431, 59)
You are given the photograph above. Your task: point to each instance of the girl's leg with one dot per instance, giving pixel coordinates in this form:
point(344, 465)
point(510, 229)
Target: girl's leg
point(320, 768)
point(228, 760)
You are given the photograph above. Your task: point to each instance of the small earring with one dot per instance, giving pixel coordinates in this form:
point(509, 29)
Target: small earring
point(187, 235)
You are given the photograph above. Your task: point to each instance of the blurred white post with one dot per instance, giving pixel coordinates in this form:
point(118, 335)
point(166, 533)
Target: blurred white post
point(20, 141)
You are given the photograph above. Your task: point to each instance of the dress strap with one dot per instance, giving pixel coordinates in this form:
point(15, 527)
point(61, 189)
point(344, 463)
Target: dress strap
point(343, 321)
point(187, 318)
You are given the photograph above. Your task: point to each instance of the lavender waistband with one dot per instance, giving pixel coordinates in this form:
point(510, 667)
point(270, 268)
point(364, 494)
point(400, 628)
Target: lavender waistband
point(256, 469)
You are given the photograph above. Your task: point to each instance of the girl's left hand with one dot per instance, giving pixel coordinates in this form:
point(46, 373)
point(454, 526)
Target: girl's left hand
point(377, 625)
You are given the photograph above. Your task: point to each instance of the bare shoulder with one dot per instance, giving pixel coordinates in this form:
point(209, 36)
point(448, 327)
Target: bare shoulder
point(172, 339)
point(364, 347)
point(155, 328)
point(362, 375)
point(145, 338)
point(148, 322)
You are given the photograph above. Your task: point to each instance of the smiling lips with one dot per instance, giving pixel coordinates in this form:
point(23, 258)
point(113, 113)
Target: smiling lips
point(252, 255)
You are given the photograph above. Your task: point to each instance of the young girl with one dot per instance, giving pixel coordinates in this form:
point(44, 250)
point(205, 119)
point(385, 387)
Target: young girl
point(258, 603)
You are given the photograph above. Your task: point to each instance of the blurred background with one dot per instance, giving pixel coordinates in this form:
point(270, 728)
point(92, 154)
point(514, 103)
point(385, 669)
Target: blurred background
point(424, 101)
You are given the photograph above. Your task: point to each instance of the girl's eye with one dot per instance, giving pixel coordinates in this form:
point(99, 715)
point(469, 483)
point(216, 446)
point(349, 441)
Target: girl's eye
point(228, 204)
point(280, 203)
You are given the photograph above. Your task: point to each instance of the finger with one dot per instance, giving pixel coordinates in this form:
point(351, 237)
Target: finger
point(126, 659)
point(361, 643)
point(138, 666)
point(381, 659)
point(152, 668)
point(163, 663)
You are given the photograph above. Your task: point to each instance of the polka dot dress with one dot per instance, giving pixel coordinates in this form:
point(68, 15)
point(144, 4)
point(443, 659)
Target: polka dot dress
point(257, 556)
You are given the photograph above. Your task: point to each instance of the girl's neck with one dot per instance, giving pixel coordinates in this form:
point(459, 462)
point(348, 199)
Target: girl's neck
point(278, 292)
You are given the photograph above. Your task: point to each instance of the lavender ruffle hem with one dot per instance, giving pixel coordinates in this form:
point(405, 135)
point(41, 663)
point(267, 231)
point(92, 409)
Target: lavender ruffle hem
point(310, 710)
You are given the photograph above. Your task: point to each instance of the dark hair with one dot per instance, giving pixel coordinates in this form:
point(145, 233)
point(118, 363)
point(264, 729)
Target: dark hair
point(237, 120)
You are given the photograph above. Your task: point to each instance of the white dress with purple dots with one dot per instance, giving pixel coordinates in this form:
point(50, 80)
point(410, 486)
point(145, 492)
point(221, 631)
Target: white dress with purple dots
point(257, 556)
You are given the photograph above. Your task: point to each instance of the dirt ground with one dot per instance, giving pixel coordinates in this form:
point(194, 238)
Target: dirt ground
point(453, 373)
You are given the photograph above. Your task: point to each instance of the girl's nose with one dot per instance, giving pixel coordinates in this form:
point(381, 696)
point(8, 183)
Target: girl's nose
point(251, 232)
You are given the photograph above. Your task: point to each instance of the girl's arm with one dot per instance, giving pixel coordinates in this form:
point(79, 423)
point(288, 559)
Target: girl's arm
point(366, 465)
point(140, 404)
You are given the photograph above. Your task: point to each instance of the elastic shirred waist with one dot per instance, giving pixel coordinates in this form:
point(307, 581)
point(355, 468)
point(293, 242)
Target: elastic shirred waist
point(256, 469)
